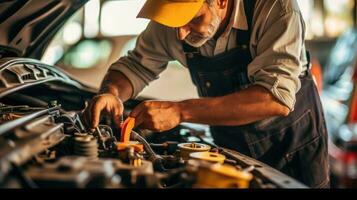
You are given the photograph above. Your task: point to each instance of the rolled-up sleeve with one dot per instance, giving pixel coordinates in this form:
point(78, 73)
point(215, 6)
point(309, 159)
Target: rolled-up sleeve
point(277, 64)
point(147, 60)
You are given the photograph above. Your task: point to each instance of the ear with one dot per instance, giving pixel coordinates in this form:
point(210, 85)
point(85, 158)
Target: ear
point(222, 4)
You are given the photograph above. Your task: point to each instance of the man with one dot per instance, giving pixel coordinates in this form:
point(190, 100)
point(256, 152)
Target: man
point(248, 61)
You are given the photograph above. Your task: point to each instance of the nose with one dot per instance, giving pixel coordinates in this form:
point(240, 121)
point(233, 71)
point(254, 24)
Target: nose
point(183, 32)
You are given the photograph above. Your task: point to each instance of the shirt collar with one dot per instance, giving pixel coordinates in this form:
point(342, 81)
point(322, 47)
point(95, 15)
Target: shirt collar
point(238, 19)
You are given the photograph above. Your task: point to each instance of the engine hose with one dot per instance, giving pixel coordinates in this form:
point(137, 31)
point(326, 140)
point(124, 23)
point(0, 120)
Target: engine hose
point(24, 179)
point(156, 159)
point(152, 155)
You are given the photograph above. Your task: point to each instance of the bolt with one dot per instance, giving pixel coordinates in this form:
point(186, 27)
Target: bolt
point(53, 103)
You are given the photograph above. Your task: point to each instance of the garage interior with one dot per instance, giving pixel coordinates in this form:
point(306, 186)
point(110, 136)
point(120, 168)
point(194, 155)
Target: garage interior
point(45, 144)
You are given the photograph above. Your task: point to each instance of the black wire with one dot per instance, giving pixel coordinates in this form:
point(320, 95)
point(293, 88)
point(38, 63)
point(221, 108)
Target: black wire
point(170, 174)
point(152, 155)
point(24, 179)
point(74, 127)
point(156, 159)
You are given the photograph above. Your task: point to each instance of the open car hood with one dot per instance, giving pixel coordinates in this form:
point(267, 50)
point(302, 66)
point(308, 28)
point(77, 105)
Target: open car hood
point(27, 26)
point(20, 73)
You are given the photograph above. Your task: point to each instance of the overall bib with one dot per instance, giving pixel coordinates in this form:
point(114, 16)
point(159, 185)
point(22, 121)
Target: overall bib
point(296, 144)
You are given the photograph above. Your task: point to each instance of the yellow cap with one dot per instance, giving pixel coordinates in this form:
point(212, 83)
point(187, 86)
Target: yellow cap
point(172, 13)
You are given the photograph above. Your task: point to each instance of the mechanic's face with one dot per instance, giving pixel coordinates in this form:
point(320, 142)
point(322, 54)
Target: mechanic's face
point(202, 27)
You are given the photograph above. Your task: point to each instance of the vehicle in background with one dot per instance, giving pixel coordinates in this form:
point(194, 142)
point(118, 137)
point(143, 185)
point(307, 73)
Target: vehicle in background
point(339, 98)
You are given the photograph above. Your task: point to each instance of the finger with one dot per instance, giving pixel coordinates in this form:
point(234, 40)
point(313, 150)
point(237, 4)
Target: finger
point(96, 109)
point(116, 115)
point(137, 110)
point(150, 125)
point(139, 120)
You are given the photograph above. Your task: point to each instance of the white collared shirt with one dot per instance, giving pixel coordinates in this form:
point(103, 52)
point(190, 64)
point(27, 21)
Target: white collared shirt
point(277, 48)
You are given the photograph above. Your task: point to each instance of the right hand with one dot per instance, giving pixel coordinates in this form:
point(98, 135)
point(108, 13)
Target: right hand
point(106, 103)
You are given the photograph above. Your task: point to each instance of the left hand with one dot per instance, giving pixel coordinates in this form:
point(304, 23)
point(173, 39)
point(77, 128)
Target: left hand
point(157, 115)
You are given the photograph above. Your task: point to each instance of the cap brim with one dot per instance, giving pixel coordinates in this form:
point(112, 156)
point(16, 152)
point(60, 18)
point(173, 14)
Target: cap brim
point(169, 13)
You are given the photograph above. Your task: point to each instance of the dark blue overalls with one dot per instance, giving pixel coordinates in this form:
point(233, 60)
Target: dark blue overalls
point(296, 144)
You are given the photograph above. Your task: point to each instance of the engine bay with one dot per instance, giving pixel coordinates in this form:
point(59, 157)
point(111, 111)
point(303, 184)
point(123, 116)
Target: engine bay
point(48, 147)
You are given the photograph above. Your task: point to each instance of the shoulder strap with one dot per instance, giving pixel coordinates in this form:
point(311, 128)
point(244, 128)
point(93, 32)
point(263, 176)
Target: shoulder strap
point(243, 37)
point(249, 6)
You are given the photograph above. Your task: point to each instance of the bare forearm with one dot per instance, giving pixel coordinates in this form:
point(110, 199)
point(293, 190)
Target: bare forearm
point(117, 84)
point(244, 107)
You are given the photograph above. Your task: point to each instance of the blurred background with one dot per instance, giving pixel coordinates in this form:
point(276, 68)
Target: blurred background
point(104, 30)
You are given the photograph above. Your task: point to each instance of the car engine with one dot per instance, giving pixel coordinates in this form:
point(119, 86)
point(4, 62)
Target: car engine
point(49, 147)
